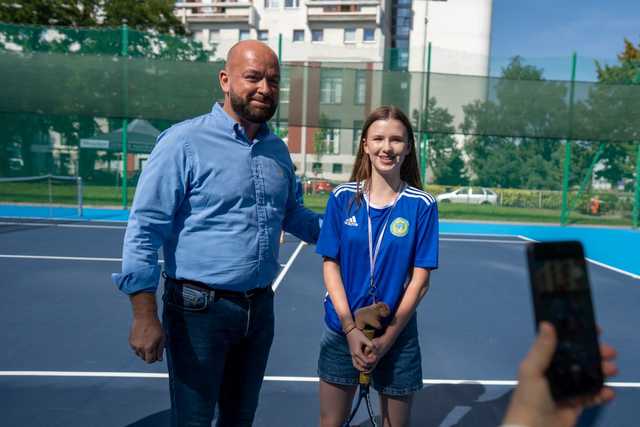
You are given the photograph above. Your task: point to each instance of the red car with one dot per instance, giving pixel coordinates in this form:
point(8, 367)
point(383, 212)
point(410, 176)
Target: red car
point(321, 186)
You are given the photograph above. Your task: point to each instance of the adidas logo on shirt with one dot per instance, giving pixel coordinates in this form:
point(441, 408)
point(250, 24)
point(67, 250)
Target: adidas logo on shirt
point(351, 221)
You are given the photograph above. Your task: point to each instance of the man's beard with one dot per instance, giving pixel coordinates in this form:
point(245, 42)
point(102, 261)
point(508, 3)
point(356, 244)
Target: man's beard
point(243, 109)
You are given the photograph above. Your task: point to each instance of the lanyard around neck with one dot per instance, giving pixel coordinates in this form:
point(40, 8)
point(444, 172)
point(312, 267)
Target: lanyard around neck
point(373, 254)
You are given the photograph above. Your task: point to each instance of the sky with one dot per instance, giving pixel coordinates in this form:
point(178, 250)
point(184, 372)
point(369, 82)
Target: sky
point(547, 32)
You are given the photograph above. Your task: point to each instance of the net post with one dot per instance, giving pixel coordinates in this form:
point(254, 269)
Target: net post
point(50, 191)
point(80, 195)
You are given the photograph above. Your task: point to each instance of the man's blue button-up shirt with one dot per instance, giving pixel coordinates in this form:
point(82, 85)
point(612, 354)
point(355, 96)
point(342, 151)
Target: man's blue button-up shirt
point(216, 202)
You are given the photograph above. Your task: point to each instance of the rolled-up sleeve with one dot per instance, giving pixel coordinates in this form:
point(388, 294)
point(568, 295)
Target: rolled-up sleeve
point(161, 189)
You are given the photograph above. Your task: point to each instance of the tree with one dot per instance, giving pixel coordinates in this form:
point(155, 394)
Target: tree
point(628, 69)
point(148, 15)
point(611, 114)
point(79, 13)
point(153, 34)
point(444, 157)
point(513, 135)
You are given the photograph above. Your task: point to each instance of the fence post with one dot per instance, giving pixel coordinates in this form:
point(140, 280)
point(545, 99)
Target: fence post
point(281, 66)
point(125, 121)
point(540, 199)
point(564, 214)
point(423, 134)
point(636, 204)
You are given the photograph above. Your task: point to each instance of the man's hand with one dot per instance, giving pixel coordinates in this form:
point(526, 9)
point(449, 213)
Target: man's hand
point(146, 337)
point(532, 404)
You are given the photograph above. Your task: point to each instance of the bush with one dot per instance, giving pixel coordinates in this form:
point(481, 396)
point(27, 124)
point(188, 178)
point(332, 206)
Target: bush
point(610, 202)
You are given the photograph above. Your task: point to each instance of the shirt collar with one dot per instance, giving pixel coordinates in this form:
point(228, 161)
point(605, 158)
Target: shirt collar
point(234, 127)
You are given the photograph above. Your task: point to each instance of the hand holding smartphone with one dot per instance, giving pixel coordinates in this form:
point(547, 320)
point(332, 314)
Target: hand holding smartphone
point(561, 295)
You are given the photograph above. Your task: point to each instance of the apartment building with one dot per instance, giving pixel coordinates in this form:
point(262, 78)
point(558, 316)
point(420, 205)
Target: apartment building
point(336, 50)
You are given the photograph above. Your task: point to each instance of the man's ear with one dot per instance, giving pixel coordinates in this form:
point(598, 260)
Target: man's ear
point(223, 77)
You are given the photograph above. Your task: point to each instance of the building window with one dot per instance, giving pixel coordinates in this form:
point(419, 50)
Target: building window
point(285, 85)
point(349, 35)
point(317, 35)
point(291, 3)
point(403, 21)
point(316, 168)
point(199, 36)
point(361, 87)
point(244, 35)
point(298, 35)
point(357, 134)
point(330, 86)
point(214, 37)
point(369, 35)
point(271, 4)
point(336, 168)
point(263, 35)
point(332, 137)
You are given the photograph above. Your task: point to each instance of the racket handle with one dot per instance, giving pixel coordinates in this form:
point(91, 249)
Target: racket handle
point(364, 378)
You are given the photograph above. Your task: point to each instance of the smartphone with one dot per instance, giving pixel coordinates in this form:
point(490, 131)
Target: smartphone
point(562, 296)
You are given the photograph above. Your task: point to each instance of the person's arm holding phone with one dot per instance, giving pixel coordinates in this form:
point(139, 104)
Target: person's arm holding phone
point(532, 404)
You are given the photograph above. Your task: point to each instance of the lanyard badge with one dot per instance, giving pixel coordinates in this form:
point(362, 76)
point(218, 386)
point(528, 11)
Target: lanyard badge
point(373, 253)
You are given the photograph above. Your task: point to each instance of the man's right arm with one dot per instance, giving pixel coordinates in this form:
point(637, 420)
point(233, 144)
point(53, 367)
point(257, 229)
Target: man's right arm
point(146, 337)
point(161, 189)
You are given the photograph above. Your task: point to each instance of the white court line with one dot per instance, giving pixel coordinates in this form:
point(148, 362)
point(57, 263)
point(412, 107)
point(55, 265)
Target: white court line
point(76, 374)
point(53, 224)
point(64, 258)
point(598, 263)
point(477, 234)
point(513, 242)
point(287, 266)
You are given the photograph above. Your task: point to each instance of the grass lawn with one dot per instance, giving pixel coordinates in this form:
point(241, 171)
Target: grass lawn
point(95, 195)
point(62, 193)
point(495, 213)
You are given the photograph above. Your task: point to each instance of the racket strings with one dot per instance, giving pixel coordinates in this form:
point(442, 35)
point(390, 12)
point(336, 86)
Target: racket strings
point(363, 395)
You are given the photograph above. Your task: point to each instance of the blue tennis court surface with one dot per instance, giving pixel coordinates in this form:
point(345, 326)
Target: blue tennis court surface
point(597, 241)
point(66, 360)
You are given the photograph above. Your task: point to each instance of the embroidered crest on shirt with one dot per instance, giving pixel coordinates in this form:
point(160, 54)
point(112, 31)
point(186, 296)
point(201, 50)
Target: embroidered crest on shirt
point(399, 227)
point(351, 221)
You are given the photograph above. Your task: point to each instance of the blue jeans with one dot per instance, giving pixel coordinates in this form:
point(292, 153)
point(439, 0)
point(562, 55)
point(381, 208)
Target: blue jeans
point(217, 350)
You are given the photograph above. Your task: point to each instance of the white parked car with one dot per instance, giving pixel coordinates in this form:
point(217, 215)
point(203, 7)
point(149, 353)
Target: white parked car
point(472, 195)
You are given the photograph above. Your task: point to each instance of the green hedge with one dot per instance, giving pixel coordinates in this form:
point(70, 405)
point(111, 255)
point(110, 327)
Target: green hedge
point(610, 202)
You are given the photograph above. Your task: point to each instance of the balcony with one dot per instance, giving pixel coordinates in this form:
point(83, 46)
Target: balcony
point(344, 11)
point(216, 12)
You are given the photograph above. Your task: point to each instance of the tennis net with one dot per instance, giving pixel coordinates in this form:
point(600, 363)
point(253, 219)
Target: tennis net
point(48, 190)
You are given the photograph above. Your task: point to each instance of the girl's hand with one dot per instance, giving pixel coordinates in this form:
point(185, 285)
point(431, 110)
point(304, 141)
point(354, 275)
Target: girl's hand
point(380, 347)
point(362, 354)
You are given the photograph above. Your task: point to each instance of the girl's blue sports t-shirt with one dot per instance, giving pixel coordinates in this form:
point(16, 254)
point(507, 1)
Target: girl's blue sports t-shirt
point(410, 240)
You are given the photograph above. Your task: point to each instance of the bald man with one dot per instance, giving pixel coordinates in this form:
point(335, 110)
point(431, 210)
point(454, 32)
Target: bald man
point(214, 194)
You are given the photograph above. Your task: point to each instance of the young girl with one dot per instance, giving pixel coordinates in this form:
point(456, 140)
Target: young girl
point(379, 241)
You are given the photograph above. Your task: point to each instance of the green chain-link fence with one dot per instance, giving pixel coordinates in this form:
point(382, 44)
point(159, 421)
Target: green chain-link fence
point(91, 102)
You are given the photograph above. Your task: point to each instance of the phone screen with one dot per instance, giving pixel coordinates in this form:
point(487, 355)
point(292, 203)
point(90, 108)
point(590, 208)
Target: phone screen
point(562, 296)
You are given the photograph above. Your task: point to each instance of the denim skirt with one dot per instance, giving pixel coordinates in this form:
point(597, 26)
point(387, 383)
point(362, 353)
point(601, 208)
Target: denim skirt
point(399, 373)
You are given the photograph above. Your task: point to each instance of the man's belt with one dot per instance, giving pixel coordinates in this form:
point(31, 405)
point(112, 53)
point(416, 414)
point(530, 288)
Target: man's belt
point(219, 293)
